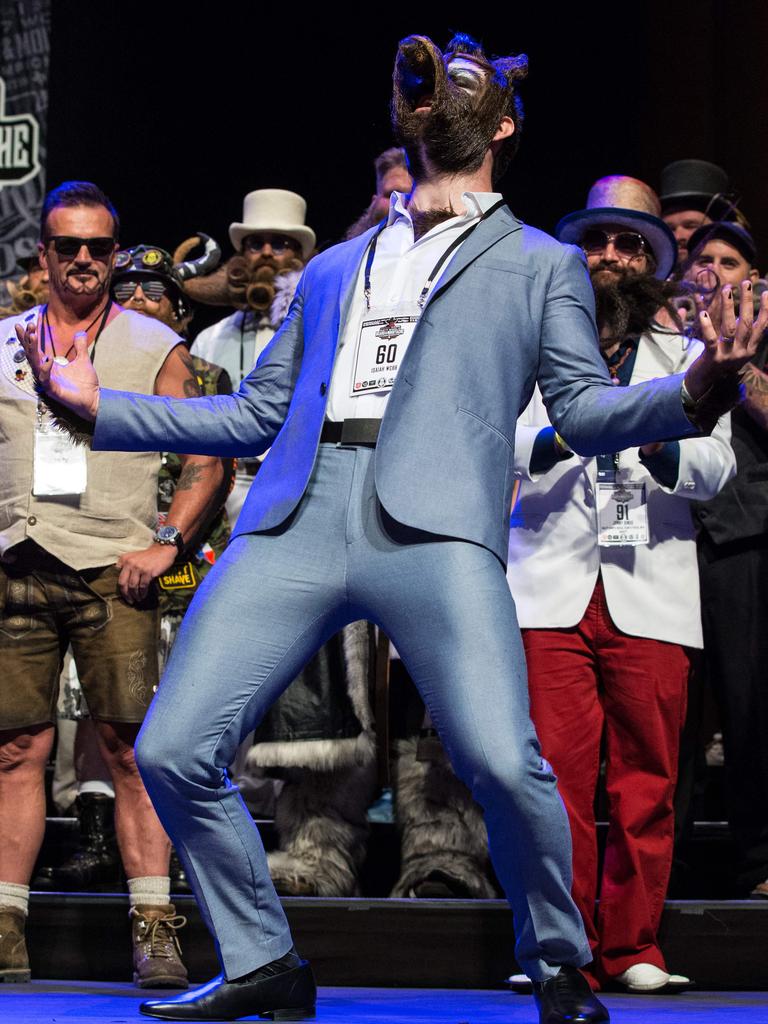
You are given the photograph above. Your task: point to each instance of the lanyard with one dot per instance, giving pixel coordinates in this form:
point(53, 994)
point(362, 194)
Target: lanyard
point(102, 325)
point(438, 266)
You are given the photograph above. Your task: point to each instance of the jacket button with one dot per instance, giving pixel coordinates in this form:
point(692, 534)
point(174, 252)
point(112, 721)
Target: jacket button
point(323, 388)
point(32, 520)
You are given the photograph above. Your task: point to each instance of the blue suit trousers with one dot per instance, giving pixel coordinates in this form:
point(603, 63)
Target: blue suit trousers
point(266, 607)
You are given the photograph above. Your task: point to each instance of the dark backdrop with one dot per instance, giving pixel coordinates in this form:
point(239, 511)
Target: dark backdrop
point(177, 115)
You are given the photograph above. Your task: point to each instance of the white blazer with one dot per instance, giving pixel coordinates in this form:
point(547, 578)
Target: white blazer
point(652, 590)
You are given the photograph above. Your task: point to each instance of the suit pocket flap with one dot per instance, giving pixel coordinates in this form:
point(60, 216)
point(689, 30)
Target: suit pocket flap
point(493, 263)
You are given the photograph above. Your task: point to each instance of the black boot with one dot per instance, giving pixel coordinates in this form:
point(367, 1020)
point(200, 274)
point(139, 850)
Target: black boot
point(97, 861)
point(178, 875)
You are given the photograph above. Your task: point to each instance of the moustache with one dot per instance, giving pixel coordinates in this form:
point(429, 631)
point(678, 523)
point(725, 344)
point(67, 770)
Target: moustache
point(81, 273)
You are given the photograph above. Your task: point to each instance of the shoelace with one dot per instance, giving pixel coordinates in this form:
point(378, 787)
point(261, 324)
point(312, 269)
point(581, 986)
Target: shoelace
point(161, 945)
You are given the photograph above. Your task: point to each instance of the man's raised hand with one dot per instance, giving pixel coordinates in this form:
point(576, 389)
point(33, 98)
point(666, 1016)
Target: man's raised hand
point(75, 384)
point(729, 348)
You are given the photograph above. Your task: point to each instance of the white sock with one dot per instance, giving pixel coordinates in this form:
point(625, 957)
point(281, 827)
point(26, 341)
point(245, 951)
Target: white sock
point(96, 786)
point(14, 895)
point(149, 891)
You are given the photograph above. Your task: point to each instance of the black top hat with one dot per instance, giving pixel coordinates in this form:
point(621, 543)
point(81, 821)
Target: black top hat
point(696, 185)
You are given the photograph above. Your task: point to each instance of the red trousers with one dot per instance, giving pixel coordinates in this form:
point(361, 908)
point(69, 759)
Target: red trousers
point(583, 681)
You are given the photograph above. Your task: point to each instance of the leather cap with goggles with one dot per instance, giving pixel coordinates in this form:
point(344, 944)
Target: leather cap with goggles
point(152, 268)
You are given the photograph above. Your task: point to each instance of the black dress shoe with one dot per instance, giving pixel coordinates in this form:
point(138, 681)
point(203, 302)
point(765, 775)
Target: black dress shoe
point(275, 991)
point(568, 999)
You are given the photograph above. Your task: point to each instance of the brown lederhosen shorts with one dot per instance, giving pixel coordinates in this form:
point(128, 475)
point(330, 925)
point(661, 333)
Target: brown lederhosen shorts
point(45, 606)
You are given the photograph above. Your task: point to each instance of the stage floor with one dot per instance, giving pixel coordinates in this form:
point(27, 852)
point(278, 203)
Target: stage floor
point(46, 1002)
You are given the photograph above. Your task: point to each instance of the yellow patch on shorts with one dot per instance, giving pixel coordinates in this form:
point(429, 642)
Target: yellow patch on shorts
point(181, 577)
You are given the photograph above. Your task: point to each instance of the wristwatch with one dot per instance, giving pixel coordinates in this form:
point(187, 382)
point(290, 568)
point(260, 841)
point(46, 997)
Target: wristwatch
point(169, 535)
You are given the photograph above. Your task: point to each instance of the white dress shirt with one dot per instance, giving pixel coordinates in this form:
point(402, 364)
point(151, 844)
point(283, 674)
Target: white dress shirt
point(400, 270)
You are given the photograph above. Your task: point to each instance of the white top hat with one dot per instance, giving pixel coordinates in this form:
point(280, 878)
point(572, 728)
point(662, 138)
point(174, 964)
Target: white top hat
point(277, 211)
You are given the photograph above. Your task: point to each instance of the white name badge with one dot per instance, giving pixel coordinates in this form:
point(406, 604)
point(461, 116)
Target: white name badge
point(622, 514)
point(381, 345)
point(60, 464)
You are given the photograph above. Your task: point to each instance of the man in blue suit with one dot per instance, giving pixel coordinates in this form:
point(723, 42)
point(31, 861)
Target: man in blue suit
point(389, 399)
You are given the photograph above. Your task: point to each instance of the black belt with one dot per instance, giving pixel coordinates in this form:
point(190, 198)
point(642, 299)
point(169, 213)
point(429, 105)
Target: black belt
point(350, 432)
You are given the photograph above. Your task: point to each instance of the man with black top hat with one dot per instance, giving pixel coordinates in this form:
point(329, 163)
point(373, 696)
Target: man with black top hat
point(694, 193)
point(733, 566)
point(602, 566)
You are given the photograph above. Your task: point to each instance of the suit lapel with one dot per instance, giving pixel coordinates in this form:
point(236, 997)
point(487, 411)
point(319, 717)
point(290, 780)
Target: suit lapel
point(486, 234)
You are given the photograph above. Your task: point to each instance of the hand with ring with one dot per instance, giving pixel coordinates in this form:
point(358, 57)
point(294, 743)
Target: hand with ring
point(727, 349)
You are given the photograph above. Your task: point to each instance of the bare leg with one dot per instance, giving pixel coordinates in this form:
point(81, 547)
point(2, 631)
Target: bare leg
point(23, 756)
point(144, 847)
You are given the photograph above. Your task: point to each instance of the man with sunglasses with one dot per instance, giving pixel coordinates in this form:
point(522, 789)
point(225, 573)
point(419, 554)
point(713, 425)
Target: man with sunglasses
point(146, 281)
point(78, 554)
point(603, 570)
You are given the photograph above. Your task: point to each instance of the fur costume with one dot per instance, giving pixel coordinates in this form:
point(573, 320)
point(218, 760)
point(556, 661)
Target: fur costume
point(328, 764)
point(444, 845)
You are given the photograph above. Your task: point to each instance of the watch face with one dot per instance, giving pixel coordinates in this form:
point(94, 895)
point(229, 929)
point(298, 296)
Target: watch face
point(169, 533)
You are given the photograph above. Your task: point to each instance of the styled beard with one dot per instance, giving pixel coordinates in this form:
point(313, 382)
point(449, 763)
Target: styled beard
point(252, 282)
point(626, 303)
point(95, 286)
point(453, 135)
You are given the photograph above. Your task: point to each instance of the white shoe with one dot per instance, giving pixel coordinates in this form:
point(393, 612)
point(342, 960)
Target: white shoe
point(678, 982)
point(648, 978)
point(520, 983)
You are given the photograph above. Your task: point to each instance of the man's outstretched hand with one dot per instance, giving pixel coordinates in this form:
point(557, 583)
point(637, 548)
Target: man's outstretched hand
point(75, 385)
point(727, 348)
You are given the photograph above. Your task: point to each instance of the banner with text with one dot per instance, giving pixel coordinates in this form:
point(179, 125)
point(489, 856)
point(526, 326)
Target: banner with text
point(24, 53)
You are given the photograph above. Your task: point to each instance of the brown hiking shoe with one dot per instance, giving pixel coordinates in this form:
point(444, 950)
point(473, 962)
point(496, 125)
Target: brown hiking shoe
point(14, 962)
point(156, 950)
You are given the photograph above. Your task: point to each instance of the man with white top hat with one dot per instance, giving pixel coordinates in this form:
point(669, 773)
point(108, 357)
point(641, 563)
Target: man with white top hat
point(272, 244)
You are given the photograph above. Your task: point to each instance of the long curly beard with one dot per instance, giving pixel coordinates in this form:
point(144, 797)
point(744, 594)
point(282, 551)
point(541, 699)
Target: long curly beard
point(241, 283)
point(626, 303)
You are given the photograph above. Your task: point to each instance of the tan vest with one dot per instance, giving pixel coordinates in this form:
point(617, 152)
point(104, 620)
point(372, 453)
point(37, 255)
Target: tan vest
point(118, 511)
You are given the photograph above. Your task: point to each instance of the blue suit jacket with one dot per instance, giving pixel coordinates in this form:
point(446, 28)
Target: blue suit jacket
point(513, 306)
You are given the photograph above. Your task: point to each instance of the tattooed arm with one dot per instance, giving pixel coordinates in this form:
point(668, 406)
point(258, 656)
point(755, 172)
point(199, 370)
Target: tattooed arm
point(756, 398)
point(199, 494)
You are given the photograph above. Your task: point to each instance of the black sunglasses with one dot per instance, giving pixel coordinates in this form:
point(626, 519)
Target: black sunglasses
point(69, 246)
point(125, 288)
point(278, 243)
point(628, 243)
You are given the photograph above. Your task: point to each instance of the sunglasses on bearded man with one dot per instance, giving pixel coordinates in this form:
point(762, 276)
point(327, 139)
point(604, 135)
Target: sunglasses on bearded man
point(68, 246)
point(125, 288)
point(626, 243)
